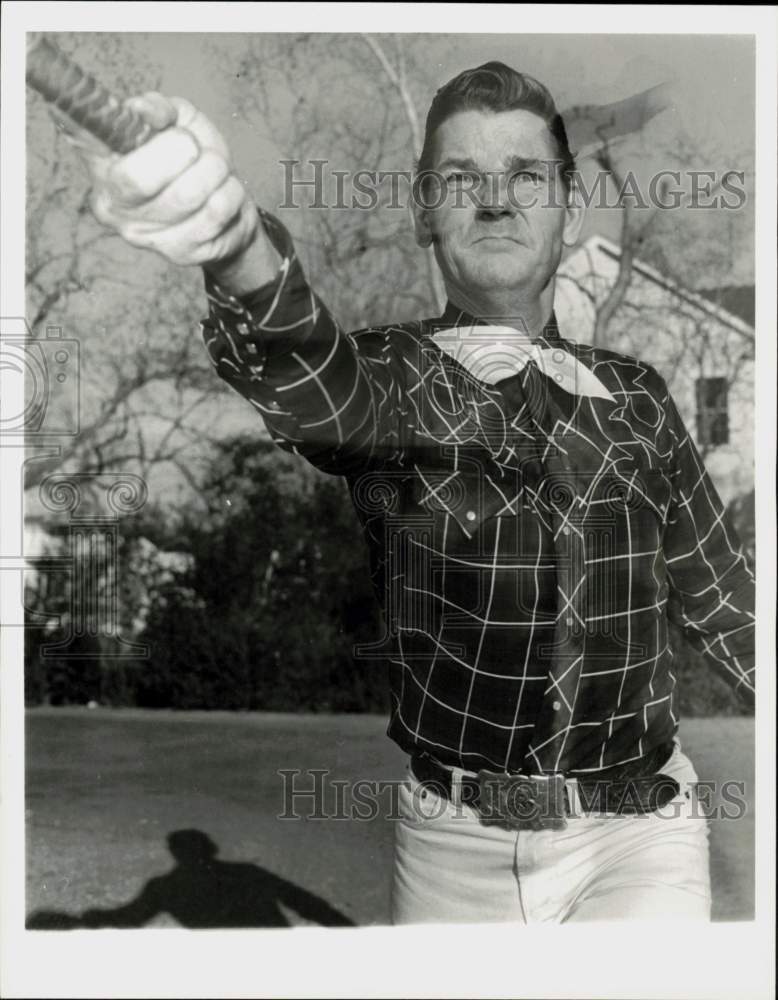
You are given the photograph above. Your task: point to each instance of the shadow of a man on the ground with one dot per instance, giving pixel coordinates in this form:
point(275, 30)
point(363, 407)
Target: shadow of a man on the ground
point(201, 891)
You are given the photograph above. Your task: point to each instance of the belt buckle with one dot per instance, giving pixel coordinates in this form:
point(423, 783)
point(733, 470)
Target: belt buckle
point(522, 801)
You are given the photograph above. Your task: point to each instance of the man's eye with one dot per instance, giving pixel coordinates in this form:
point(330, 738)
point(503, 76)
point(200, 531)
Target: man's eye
point(528, 177)
point(458, 177)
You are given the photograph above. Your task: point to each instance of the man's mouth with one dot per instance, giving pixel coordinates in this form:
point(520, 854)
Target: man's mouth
point(498, 240)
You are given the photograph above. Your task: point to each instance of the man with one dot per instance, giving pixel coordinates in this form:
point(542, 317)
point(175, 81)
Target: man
point(535, 511)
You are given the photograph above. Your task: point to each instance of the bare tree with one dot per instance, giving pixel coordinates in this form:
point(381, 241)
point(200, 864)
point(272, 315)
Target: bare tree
point(143, 372)
point(343, 123)
point(398, 78)
point(694, 249)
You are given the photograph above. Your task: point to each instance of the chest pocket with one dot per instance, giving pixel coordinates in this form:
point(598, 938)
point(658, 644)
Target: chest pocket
point(637, 491)
point(471, 494)
point(624, 490)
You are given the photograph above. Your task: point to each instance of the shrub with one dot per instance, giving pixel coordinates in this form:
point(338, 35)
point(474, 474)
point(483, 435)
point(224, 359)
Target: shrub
point(277, 593)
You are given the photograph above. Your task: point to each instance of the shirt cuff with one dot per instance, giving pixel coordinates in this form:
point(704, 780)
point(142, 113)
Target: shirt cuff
point(252, 302)
point(273, 320)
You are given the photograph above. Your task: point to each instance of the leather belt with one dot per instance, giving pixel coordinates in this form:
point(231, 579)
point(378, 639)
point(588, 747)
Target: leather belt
point(545, 801)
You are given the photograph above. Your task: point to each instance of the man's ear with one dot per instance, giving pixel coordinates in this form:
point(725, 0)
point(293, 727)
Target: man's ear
point(419, 218)
point(575, 213)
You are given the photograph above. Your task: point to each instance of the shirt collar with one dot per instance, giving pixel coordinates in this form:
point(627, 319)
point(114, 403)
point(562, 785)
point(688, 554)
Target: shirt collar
point(452, 316)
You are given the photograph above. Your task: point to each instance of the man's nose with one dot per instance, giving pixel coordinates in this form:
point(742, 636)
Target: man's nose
point(487, 213)
point(494, 201)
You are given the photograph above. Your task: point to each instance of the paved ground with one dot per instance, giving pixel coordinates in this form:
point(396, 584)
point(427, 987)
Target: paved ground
point(105, 788)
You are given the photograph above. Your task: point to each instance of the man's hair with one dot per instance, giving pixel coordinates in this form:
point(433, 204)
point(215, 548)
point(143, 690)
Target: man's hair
point(496, 87)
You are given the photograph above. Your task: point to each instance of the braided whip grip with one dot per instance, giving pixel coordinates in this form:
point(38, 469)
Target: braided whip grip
point(79, 96)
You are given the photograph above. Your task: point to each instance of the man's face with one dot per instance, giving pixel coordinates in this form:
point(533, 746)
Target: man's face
point(505, 217)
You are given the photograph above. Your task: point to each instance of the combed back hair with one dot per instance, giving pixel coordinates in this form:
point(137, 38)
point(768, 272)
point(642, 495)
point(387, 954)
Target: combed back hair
point(496, 87)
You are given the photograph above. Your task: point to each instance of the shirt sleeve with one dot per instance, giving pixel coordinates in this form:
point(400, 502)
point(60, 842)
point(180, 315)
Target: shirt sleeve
point(321, 393)
point(711, 580)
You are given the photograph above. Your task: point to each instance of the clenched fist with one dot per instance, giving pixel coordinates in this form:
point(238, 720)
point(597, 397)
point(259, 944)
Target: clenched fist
point(177, 194)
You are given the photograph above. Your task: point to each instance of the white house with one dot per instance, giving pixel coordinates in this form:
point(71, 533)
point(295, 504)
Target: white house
point(703, 351)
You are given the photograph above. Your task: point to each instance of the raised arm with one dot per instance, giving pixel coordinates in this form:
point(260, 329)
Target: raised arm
point(321, 393)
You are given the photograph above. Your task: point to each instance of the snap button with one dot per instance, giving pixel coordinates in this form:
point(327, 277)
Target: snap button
point(470, 515)
point(557, 378)
point(566, 530)
point(556, 705)
point(558, 356)
point(568, 622)
point(274, 406)
point(243, 328)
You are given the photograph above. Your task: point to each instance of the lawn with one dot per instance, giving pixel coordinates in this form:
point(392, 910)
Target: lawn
point(105, 788)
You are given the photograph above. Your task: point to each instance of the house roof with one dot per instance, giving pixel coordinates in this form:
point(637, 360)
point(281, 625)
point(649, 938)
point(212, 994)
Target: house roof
point(710, 301)
point(740, 300)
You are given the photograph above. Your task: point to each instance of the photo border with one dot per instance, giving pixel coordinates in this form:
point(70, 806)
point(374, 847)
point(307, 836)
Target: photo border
point(719, 960)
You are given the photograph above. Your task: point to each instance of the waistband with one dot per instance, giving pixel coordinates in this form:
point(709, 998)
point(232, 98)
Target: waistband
point(524, 801)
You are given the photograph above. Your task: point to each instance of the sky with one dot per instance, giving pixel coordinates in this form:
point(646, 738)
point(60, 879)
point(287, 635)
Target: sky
point(713, 74)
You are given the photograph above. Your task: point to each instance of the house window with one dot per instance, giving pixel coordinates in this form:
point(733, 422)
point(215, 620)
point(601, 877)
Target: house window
point(712, 412)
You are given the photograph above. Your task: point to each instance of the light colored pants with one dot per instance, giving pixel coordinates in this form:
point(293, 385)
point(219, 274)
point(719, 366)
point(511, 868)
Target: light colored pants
point(452, 868)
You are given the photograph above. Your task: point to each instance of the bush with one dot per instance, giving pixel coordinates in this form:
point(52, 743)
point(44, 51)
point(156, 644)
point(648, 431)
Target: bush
point(277, 593)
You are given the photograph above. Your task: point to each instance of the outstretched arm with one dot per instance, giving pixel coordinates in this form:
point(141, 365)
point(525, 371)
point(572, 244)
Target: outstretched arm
point(321, 394)
point(136, 913)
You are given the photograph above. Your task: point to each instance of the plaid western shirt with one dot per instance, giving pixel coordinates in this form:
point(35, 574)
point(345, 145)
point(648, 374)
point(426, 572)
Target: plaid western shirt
point(528, 544)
